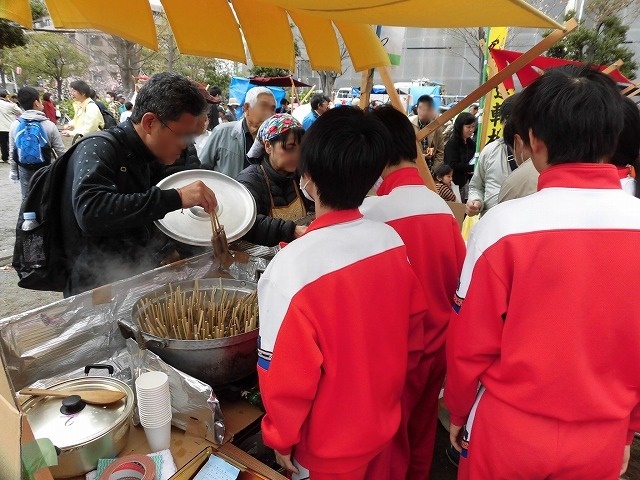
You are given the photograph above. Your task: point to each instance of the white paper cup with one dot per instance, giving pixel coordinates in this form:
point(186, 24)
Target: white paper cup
point(162, 397)
point(152, 381)
point(155, 421)
point(153, 411)
point(151, 397)
point(149, 412)
point(146, 410)
point(157, 388)
point(158, 402)
point(159, 438)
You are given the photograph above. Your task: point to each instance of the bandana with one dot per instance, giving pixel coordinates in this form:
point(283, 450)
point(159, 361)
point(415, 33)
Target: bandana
point(272, 127)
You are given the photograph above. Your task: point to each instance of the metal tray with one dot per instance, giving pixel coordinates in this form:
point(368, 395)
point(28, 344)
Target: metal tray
point(236, 209)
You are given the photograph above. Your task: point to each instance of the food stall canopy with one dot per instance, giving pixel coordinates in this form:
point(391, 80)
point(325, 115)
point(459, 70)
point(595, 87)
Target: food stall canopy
point(529, 73)
point(284, 82)
point(265, 25)
point(425, 13)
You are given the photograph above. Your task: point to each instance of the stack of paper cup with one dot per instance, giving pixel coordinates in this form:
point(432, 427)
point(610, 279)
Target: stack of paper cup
point(154, 407)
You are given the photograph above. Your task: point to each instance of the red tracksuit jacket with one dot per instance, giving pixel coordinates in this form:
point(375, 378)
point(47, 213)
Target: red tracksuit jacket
point(336, 308)
point(434, 244)
point(550, 322)
point(436, 253)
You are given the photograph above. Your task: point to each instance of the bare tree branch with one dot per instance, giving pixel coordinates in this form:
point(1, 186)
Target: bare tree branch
point(471, 38)
point(601, 9)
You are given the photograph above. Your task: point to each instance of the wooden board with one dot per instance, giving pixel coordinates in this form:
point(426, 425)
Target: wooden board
point(458, 210)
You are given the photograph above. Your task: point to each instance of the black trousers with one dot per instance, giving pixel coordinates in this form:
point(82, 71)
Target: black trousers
point(4, 146)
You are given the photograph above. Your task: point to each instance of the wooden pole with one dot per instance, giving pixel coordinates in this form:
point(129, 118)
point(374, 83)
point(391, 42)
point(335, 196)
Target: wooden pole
point(613, 67)
point(634, 93)
point(629, 88)
point(293, 89)
point(500, 77)
point(306, 97)
point(365, 88)
point(396, 101)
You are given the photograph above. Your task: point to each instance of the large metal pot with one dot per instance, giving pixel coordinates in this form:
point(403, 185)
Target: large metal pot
point(215, 362)
point(83, 433)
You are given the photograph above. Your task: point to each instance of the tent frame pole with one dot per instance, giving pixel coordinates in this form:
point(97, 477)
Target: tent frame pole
point(500, 77)
point(396, 101)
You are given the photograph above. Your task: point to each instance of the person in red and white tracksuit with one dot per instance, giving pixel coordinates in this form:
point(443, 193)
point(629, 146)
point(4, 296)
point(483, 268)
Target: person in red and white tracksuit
point(341, 313)
point(625, 158)
point(548, 324)
point(436, 252)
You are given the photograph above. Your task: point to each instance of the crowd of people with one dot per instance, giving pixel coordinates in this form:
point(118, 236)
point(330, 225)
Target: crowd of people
point(538, 344)
point(365, 310)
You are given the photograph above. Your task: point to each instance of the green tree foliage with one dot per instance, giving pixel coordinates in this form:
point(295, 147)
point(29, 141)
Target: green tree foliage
point(258, 71)
point(133, 59)
point(38, 9)
point(49, 55)
point(11, 36)
point(209, 71)
point(602, 44)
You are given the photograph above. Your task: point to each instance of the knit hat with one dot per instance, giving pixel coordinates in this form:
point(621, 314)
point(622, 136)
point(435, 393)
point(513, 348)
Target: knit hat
point(272, 127)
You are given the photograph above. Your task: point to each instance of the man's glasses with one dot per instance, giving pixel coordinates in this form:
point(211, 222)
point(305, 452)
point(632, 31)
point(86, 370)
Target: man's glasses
point(184, 139)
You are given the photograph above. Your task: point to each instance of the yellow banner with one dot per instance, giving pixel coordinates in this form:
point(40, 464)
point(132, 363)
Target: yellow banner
point(491, 126)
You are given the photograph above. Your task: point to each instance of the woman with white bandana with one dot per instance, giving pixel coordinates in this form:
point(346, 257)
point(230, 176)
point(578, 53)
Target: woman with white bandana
point(274, 182)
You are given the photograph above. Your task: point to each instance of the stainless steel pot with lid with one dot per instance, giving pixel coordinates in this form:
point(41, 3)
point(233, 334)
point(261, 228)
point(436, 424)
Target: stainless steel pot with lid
point(216, 362)
point(83, 433)
point(236, 209)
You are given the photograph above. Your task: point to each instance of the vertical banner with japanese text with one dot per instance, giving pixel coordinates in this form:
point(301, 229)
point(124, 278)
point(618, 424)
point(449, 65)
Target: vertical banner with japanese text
point(491, 126)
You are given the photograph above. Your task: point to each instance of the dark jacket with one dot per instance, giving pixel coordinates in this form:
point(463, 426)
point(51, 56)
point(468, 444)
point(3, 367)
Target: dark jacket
point(188, 160)
point(108, 211)
point(267, 230)
point(214, 116)
point(457, 153)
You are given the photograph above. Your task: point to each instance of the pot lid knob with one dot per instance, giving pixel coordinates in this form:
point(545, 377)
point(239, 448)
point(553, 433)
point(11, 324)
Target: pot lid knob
point(72, 404)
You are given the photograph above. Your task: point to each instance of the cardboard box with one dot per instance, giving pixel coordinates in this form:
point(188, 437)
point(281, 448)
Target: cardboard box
point(15, 431)
point(193, 467)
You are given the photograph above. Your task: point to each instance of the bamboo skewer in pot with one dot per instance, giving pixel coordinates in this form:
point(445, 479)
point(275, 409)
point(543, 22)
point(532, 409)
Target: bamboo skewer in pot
point(198, 316)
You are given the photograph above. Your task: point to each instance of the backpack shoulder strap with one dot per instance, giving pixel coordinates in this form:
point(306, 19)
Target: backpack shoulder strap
point(117, 137)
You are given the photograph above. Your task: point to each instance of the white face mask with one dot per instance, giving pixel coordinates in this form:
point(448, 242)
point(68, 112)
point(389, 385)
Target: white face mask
point(378, 183)
point(303, 189)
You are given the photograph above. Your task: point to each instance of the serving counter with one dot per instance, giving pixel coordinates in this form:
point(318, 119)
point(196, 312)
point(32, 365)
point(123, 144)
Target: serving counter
point(53, 343)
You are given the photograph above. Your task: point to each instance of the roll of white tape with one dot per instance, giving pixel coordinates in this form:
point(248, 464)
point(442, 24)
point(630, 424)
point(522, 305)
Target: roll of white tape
point(131, 467)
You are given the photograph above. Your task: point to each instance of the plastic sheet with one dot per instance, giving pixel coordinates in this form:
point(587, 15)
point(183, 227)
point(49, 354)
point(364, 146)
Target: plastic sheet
point(36, 455)
point(55, 342)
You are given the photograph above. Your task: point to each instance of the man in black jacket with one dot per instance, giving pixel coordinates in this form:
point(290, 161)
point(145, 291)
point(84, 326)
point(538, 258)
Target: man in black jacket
point(111, 204)
point(212, 112)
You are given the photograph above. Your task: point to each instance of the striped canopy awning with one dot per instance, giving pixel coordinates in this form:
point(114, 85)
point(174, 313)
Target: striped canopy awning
point(222, 28)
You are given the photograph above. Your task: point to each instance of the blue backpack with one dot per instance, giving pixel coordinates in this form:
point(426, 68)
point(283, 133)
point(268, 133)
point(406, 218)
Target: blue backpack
point(30, 140)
